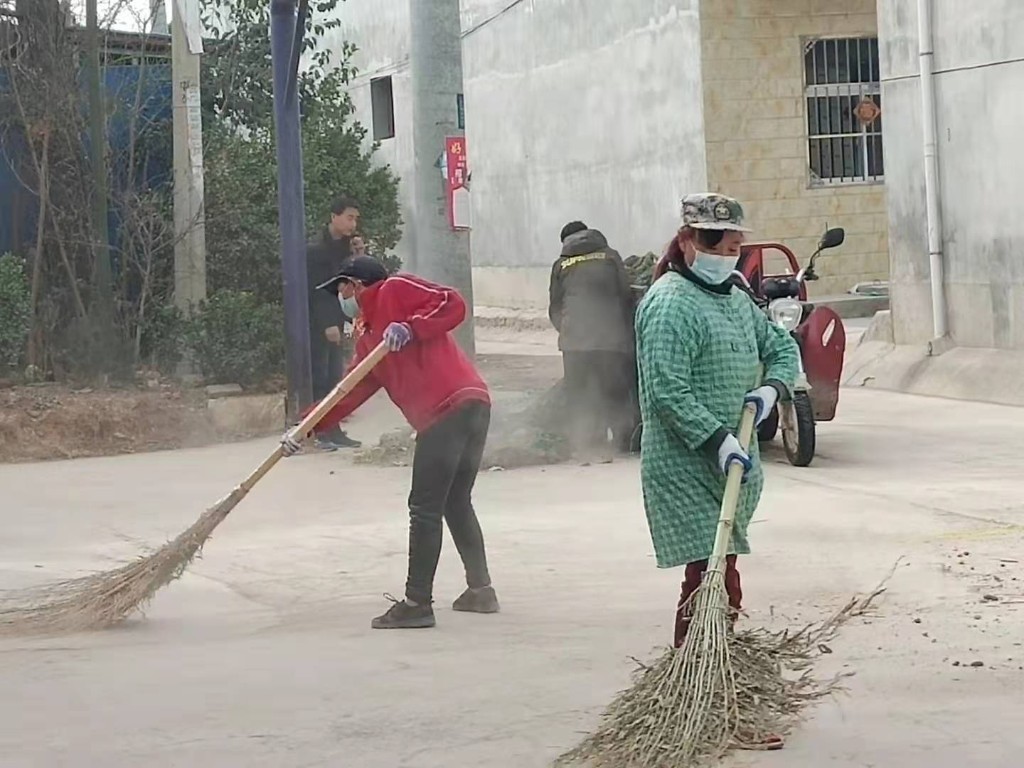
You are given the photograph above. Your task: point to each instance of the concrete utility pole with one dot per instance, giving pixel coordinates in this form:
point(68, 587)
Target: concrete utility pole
point(291, 204)
point(189, 216)
point(435, 58)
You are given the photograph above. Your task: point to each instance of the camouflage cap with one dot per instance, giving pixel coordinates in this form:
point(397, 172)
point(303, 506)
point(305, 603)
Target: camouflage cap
point(708, 210)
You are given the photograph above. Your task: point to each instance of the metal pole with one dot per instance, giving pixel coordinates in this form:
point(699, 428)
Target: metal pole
point(291, 207)
point(435, 58)
point(189, 218)
point(932, 191)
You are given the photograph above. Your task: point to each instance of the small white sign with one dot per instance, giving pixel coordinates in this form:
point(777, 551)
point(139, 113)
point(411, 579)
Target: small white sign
point(462, 209)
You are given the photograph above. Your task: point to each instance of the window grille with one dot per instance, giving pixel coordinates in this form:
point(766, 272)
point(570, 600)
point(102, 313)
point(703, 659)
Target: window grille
point(844, 111)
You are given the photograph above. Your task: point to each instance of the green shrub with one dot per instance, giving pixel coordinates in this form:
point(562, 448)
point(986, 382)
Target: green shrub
point(15, 311)
point(235, 338)
point(163, 343)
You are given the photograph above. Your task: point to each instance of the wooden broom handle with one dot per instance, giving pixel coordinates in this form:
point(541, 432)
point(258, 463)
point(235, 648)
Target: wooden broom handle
point(346, 385)
point(733, 486)
point(304, 427)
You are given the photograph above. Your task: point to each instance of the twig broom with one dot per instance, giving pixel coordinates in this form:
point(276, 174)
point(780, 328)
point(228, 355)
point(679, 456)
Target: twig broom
point(107, 598)
point(686, 706)
point(704, 671)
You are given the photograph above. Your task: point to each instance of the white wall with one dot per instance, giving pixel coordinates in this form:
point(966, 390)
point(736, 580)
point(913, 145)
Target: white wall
point(577, 114)
point(979, 49)
point(380, 29)
point(570, 113)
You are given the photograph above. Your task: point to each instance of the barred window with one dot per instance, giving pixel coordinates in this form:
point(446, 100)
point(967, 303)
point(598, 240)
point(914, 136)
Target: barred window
point(844, 110)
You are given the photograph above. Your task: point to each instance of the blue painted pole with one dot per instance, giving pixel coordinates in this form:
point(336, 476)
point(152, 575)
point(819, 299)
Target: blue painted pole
point(291, 206)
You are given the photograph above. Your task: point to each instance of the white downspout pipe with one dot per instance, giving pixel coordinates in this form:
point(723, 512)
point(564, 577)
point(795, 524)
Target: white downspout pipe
point(931, 169)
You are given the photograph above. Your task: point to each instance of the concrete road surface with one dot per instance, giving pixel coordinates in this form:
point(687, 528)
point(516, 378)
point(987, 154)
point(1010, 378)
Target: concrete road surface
point(262, 655)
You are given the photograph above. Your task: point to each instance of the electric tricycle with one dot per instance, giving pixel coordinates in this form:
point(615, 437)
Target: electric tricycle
point(818, 330)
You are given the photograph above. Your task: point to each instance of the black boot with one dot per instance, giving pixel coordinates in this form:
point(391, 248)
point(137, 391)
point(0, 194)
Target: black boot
point(344, 441)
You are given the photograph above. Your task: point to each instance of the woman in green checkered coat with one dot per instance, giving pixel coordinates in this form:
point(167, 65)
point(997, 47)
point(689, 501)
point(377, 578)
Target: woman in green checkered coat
point(701, 346)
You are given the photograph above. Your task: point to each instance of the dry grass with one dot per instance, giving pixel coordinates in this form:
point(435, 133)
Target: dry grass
point(40, 423)
point(718, 692)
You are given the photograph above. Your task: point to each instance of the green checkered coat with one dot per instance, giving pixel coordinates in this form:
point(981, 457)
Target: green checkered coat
point(698, 354)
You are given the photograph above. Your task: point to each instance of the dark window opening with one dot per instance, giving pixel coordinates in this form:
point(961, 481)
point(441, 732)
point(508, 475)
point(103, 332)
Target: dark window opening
point(382, 102)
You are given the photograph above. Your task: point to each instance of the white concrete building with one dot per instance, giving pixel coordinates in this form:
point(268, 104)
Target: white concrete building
point(611, 112)
point(953, 157)
point(978, 84)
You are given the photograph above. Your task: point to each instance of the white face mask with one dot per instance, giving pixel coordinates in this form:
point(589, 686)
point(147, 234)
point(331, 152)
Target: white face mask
point(712, 268)
point(349, 306)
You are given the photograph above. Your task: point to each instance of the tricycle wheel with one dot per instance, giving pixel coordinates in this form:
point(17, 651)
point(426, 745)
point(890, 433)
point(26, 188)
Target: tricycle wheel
point(798, 434)
point(769, 428)
point(636, 439)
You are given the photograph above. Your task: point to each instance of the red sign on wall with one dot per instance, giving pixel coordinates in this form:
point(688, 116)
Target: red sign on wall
point(457, 182)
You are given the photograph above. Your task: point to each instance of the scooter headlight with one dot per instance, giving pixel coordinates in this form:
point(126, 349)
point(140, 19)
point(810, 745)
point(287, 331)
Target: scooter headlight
point(786, 313)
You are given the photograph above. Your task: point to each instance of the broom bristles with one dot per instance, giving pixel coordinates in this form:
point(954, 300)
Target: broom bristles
point(107, 598)
point(720, 690)
point(701, 680)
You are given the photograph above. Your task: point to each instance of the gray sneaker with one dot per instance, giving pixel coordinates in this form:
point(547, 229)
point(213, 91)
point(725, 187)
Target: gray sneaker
point(482, 600)
point(402, 615)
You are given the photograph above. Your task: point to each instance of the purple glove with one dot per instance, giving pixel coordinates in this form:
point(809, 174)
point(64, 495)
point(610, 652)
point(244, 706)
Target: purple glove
point(397, 335)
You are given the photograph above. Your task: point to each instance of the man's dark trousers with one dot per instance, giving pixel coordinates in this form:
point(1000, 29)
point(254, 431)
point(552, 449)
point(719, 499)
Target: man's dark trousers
point(327, 362)
point(599, 389)
point(444, 470)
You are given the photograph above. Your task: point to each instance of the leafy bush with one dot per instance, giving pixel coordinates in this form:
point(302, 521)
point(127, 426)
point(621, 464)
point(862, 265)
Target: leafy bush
point(15, 311)
point(163, 338)
point(236, 338)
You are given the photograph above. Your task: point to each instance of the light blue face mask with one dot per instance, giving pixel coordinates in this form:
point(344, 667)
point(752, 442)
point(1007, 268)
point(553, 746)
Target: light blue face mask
point(712, 268)
point(349, 306)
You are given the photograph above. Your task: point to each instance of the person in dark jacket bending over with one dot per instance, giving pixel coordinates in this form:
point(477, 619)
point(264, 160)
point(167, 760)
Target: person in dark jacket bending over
point(441, 394)
point(329, 343)
point(591, 306)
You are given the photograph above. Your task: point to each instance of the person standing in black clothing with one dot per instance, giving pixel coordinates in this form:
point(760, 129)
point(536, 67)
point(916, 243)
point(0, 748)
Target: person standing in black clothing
point(330, 342)
point(591, 306)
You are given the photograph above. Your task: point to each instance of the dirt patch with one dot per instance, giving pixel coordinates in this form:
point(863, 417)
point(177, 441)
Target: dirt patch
point(40, 423)
point(53, 422)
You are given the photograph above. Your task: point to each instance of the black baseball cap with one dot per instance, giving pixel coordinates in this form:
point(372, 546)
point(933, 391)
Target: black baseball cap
point(366, 269)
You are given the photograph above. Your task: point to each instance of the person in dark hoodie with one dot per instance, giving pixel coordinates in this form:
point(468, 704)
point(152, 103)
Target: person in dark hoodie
point(330, 346)
point(591, 306)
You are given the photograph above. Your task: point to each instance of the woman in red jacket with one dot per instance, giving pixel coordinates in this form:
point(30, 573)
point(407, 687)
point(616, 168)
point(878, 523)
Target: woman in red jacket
point(443, 397)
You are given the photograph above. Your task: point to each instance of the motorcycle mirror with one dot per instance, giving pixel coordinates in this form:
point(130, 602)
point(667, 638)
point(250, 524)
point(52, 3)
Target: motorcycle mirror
point(832, 238)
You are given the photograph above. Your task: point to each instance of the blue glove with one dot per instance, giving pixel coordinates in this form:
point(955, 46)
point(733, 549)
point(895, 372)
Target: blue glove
point(764, 399)
point(731, 452)
point(397, 335)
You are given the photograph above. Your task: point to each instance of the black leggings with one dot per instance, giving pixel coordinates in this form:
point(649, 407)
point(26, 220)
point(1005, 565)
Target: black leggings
point(444, 470)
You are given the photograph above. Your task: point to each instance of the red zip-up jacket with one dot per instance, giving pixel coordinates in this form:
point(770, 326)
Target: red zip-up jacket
point(429, 377)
